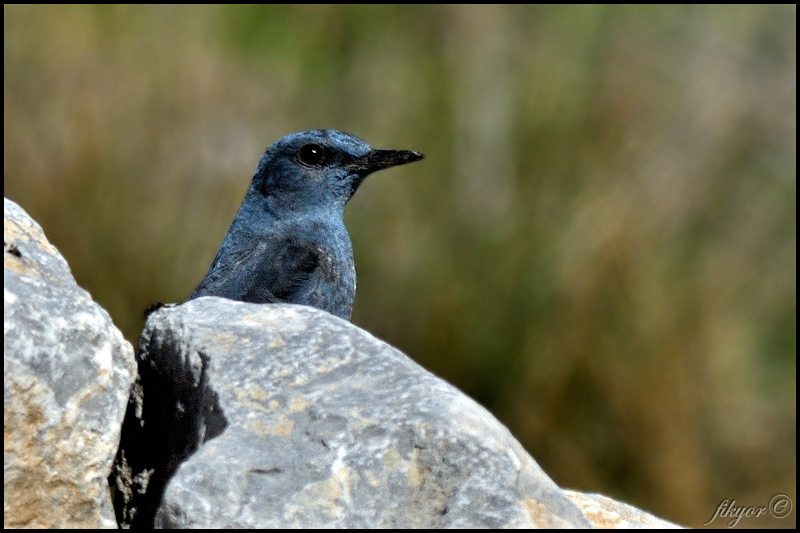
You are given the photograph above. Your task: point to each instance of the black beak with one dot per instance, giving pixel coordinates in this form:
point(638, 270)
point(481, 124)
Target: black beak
point(380, 159)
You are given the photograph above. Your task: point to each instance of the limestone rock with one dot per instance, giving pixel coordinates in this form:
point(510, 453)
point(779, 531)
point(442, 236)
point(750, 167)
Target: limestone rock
point(605, 513)
point(67, 374)
point(291, 417)
point(245, 415)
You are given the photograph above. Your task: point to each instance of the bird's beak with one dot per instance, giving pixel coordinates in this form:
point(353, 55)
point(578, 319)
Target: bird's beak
point(379, 159)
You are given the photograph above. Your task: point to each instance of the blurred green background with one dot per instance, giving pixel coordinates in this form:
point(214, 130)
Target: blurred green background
point(599, 246)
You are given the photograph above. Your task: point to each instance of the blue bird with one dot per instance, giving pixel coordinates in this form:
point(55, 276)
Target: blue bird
point(288, 242)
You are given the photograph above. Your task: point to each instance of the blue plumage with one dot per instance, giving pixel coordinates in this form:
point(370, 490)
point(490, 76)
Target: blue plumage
point(288, 242)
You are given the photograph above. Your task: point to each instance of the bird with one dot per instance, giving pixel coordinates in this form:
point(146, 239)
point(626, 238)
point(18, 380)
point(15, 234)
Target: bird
point(288, 242)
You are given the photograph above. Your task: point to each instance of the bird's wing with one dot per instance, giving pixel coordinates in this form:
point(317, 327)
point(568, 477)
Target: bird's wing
point(292, 269)
point(231, 274)
point(264, 271)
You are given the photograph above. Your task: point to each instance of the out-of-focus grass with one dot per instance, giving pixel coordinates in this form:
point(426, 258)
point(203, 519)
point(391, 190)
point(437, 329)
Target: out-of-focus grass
point(599, 247)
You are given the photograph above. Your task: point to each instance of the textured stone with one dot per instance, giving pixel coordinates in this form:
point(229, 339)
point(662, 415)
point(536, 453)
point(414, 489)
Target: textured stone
point(67, 373)
point(245, 416)
point(301, 419)
point(605, 513)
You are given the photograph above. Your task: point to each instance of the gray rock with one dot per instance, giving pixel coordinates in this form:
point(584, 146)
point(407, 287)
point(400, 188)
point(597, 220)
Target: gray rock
point(245, 416)
point(67, 373)
point(605, 513)
point(302, 419)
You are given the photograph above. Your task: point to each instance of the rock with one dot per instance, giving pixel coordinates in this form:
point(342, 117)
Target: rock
point(67, 374)
point(605, 513)
point(291, 417)
point(244, 415)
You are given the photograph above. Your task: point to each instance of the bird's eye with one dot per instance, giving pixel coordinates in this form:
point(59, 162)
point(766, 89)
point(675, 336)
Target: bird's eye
point(312, 154)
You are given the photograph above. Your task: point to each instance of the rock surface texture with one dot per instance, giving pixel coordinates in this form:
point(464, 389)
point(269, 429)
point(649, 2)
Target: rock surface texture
point(315, 422)
point(67, 374)
point(605, 513)
point(244, 415)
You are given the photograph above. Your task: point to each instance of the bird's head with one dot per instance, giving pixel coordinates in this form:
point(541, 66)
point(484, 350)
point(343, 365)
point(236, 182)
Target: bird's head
point(320, 169)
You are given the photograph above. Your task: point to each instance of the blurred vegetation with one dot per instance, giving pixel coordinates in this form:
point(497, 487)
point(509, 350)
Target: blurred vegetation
point(599, 247)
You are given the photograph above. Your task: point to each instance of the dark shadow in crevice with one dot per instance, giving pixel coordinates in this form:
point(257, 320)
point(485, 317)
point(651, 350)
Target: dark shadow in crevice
point(171, 412)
